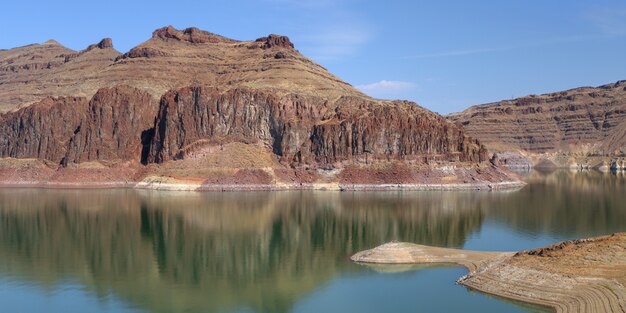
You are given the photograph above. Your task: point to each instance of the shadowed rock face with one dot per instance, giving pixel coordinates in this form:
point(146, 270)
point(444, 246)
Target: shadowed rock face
point(113, 126)
point(306, 129)
point(64, 130)
point(122, 122)
point(579, 120)
point(42, 130)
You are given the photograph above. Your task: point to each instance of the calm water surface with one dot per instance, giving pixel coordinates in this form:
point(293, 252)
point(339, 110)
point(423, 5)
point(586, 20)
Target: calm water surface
point(149, 251)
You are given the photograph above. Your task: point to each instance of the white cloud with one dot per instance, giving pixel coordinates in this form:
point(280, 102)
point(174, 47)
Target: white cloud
point(386, 88)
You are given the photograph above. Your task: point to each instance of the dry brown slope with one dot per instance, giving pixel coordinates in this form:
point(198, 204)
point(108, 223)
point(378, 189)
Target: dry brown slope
point(31, 73)
point(587, 119)
point(170, 59)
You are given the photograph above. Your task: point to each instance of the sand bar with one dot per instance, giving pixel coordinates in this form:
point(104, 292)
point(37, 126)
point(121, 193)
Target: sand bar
point(585, 275)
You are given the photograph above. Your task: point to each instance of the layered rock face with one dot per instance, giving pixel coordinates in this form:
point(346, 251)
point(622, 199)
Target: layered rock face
point(64, 130)
point(31, 73)
point(42, 130)
point(119, 123)
point(197, 106)
point(588, 120)
point(307, 130)
point(116, 122)
point(170, 59)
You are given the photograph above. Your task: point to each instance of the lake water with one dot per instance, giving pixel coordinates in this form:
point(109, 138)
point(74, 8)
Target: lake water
point(150, 251)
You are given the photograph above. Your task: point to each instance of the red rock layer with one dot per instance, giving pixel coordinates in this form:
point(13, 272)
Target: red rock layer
point(42, 130)
point(307, 130)
point(63, 130)
point(115, 122)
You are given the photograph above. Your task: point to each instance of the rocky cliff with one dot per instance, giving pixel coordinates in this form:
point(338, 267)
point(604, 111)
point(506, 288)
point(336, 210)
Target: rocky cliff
point(306, 129)
point(42, 130)
point(62, 130)
point(583, 120)
point(193, 105)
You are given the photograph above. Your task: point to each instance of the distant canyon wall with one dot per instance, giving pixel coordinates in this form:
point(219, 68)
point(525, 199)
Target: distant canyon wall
point(584, 120)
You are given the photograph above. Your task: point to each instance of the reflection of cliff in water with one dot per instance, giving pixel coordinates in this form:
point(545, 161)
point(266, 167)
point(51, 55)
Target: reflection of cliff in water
point(564, 203)
point(213, 251)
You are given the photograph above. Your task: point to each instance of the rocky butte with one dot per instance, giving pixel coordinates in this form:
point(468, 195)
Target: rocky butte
point(188, 109)
point(579, 128)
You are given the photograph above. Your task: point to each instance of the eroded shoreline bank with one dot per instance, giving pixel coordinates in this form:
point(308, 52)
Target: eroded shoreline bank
point(586, 275)
point(165, 186)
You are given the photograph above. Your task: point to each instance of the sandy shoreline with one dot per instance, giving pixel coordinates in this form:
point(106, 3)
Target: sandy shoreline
point(186, 186)
point(575, 276)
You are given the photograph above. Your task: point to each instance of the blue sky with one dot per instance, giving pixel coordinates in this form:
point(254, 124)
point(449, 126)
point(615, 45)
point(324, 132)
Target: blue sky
point(444, 55)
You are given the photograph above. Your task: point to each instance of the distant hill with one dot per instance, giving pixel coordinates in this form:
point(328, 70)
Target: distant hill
point(587, 120)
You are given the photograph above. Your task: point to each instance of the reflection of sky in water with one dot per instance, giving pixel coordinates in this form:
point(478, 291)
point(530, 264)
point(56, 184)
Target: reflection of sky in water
point(431, 290)
point(494, 236)
point(64, 296)
point(114, 250)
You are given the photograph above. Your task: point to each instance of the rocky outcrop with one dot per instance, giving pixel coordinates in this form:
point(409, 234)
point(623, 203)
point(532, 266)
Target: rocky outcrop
point(512, 160)
point(42, 130)
point(106, 43)
point(587, 120)
point(307, 130)
point(141, 53)
point(191, 34)
point(274, 40)
point(73, 130)
point(116, 121)
point(103, 44)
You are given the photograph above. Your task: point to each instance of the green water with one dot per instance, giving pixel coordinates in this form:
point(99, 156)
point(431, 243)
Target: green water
point(150, 251)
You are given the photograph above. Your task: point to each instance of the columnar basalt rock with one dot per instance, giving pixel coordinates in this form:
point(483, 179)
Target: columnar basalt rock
point(113, 126)
point(307, 130)
point(73, 130)
point(42, 130)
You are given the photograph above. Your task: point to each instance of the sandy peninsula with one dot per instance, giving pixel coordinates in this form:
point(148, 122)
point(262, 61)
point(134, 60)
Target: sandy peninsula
point(587, 275)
